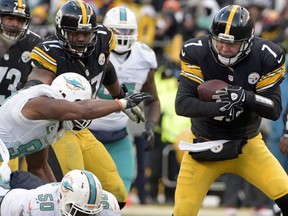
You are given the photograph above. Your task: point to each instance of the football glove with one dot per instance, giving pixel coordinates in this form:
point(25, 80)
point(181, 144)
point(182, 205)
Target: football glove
point(234, 112)
point(148, 136)
point(134, 99)
point(135, 114)
point(229, 97)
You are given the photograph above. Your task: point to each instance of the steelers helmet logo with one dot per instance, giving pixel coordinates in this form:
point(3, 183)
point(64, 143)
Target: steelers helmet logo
point(253, 78)
point(101, 59)
point(25, 57)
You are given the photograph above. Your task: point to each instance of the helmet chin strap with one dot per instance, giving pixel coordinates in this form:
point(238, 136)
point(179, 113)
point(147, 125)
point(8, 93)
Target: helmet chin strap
point(8, 41)
point(231, 61)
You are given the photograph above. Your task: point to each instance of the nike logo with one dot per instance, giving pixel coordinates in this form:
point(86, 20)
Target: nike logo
point(46, 49)
point(183, 53)
point(280, 59)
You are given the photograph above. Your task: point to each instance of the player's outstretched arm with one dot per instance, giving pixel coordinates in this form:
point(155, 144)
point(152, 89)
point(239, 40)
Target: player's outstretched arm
point(58, 109)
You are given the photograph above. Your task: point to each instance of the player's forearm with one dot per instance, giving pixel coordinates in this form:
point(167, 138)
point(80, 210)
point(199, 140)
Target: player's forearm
point(267, 105)
point(189, 105)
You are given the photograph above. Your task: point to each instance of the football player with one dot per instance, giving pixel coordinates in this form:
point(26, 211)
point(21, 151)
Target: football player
point(253, 68)
point(16, 43)
point(79, 193)
point(134, 63)
point(36, 117)
point(82, 46)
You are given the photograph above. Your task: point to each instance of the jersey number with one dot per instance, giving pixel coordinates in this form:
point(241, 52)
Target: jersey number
point(46, 202)
point(10, 74)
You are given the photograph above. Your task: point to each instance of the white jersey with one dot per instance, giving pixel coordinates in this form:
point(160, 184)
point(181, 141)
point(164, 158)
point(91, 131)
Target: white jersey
point(24, 136)
point(110, 205)
point(44, 201)
point(40, 201)
point(133, 72)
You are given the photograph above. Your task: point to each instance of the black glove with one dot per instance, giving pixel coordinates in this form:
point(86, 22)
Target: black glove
point(229, 97)
point(134, 99)
point(148, 136)
point(231, 101)
point(234, 112)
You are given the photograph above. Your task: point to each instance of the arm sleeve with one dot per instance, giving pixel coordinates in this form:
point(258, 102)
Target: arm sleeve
point(269, 112)
point(188, 104)
point(110, 74)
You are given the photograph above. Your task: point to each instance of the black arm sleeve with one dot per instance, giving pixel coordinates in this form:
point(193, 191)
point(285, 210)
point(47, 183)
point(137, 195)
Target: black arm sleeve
point(269, 112)
point(110, 74)
point(188, 104)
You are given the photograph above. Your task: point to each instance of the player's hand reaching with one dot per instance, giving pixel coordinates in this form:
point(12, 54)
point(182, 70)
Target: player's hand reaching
point(134, 99)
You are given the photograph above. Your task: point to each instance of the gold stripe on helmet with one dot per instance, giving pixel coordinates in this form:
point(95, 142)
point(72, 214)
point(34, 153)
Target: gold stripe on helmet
point(84, 12)
point(20, 6)
point(230, 19)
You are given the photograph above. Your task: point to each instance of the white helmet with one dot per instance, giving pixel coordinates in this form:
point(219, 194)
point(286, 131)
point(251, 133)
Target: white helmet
point(73, 87)
point(123, 22)
point(80, 191)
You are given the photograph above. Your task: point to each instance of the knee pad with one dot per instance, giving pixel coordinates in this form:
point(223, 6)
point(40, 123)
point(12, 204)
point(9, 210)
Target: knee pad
point(282, 202)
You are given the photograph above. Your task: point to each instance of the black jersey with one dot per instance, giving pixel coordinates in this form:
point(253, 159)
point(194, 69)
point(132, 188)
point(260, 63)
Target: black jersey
point(261, 71)
point(51, 56)
point(15, 65)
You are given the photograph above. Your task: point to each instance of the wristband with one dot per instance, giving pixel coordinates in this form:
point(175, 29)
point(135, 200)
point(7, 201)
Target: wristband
point(264, 101)
point(123, 103)
point(119, 104)
point(285, 135)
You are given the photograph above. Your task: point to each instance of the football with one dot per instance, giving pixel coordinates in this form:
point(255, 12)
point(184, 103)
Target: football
point(209, 88)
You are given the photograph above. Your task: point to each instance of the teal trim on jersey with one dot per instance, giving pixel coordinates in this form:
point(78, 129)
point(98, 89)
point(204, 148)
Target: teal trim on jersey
point(123, 14)
point(104, 94)
point(93, 188)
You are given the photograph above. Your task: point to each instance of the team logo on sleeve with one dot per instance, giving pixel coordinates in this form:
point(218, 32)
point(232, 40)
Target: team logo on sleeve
point(101, 59)
point(26, 56)
point(253, 78)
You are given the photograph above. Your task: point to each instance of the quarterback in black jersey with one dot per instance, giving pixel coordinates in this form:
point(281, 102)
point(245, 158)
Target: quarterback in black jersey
point(253, 68)
point(80, 45)
point(16, 43)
